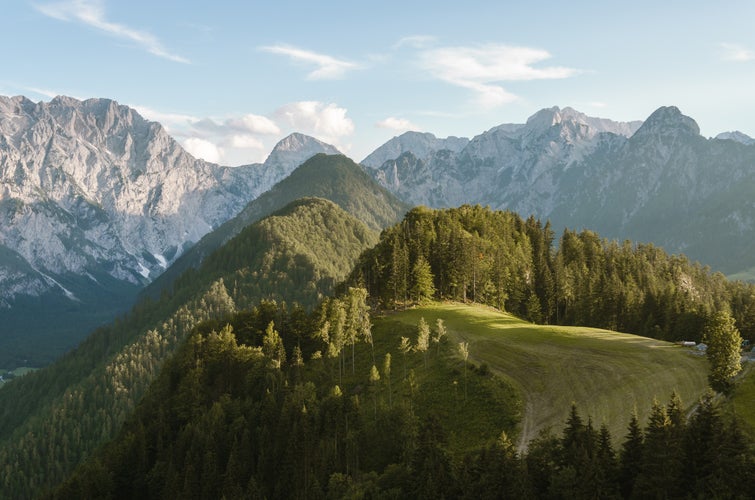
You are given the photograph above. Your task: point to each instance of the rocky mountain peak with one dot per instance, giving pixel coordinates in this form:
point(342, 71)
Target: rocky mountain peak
point(297, 142)
point(92, 187)
point(736, 136)
point(421, 144)
point(544, 119)
point(668, 120)
point(548, 117)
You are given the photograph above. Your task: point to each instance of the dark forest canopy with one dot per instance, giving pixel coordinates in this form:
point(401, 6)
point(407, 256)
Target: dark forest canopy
point(497, 258)
point(253, 411)
point(466, 254)
point(69, 408)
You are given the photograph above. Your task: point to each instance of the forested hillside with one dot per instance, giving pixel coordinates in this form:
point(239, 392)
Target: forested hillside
point(324, 406)
point(332, 177)
point(282, 385)
point(53, 418)
point(498, 258)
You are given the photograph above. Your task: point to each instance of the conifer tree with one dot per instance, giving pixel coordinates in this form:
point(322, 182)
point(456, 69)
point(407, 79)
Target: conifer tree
point(405, 347)
point(422, 280)
point(723, 351)
point(374, 379)
point(272, 347)
point(630, 460)
point(423, 338)
point(464, 352)
point(387, 375)
point(440, 333)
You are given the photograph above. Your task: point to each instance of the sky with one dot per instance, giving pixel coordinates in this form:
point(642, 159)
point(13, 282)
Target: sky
point(229, 79)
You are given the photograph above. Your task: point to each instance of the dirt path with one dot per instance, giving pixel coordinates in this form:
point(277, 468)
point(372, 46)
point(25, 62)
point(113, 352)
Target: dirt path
point(527, 432)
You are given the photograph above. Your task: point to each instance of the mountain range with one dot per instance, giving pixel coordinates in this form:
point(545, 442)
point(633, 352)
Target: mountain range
point(275, 262)
point(95, 202)
point(655, 181)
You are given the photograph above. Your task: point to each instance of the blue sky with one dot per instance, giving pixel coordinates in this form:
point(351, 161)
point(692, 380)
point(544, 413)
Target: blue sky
point(230, 78)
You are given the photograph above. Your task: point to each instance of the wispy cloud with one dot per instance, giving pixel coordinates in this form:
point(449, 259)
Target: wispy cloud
point(92, 13)
point(397, 124)
point(166, 119)
point(415, 41)
point(735, 52)
point(328, 67)
point(480, 68)
point(50, 93)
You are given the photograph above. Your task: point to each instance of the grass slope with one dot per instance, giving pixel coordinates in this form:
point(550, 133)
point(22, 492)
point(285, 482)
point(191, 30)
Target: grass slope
point(607, 374)
point(742, 401)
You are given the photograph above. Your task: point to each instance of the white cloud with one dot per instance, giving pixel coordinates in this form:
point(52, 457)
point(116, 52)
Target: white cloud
point(201, 148)
point(248, 138)
point(328, 67)
point(45, 92)
point(167, 120)
point(735, 52)
point(246, 142)
point(92, 13)
point(255, 124)
point(415, 41)
point(328, 122)
point(397, 124)
point(479, 68)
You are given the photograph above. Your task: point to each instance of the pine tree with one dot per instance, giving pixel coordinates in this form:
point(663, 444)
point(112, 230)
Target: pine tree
point(423, 338)
point(440, 333)
point(723, 351)
point(422, 277)
point(272, 347)
point(405, 347)
point(464, 352)
point(659, 471)
point(630, 460)
point(387, 375)
point(374, 379)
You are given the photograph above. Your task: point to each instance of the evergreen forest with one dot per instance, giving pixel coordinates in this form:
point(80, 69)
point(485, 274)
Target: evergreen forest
point(275, 369)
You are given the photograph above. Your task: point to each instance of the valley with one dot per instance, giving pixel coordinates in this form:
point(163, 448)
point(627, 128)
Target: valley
point(302, 288)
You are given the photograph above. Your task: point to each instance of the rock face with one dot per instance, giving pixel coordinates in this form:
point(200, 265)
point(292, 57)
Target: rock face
point(91, 188)
point(95, 202)
point(736, 136)
point(501, 166)
point(659, 181)
point(421, 144)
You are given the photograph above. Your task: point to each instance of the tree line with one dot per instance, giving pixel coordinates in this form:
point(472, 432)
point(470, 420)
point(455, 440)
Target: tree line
point(497, 258)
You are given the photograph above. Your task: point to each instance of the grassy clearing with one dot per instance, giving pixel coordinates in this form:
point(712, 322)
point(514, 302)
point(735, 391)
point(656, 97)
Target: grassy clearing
point(742, 401)
point(607, 374)
point(16, 373)
point(492, 404)
point(747, 275)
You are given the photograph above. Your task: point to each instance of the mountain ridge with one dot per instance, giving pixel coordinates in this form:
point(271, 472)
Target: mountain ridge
point(95, 201)
point(332, 177)
point(620, 179)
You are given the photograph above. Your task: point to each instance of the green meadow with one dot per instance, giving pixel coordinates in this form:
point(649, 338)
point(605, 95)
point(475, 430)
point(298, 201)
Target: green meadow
point(608, 375)
point(23, 370)
point(742, 401)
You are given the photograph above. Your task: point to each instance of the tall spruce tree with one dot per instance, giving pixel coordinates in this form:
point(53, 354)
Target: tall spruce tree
point(724, 343)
